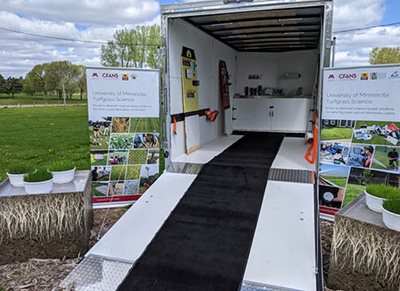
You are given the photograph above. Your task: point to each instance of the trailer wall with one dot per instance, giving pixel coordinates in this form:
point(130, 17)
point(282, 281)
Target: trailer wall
point(273, 65)
point(209, 52)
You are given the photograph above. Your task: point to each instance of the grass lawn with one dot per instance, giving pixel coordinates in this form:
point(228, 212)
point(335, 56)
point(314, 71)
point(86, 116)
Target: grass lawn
point(103, 141)
point(337, 133)
point(381, 160)
point(118, 173)
point(340, 181)
point(376, 139)
point(39, 137)
point(352, 192)
point(23, 99)
point(133, 172)
point(145, 125)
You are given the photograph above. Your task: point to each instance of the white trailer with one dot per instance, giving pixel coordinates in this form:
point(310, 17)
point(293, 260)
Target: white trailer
point(274, 53)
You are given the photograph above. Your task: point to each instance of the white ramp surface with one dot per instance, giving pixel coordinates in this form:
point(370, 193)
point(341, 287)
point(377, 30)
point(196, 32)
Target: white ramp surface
point(129, 237)
point(283, 248)
point(291, 155)
point(209, 151)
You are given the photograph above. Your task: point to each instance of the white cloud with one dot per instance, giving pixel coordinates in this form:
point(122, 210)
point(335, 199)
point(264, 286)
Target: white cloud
point(98, 19)
point(353, 48)
point(92, 12)
point(20, 52)
point(349, 14)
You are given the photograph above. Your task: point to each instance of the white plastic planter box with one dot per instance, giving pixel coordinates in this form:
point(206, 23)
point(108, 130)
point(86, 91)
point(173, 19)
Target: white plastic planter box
point(64, 176)
point(16, 180)
point(391, 220)
point(374, 203)
point(43, 187)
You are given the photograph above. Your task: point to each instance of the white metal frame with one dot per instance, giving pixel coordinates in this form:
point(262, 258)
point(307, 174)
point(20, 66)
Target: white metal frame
point(218, 7)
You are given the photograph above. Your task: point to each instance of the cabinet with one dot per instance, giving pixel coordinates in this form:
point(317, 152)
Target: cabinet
point(271, 114)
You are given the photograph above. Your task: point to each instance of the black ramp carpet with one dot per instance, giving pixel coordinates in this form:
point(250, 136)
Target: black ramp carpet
point(205, 242)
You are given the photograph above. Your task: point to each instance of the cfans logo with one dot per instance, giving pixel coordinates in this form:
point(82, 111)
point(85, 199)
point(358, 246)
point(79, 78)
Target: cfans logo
point(331, 77)
point(95, 75)
point(109, 76)
point(348, 76)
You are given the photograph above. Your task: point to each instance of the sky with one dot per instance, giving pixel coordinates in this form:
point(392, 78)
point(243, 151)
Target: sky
point(97, 20)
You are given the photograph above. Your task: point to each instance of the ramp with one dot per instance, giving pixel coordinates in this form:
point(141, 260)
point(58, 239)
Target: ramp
point(205, 243)
point(246, 222)
point(283, 252)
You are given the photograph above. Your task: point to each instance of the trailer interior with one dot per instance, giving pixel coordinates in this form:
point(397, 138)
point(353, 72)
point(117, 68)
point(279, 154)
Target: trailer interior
point(237, 207)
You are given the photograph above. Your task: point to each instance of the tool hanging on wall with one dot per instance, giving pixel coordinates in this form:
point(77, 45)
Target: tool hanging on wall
point(311, 154)
point(211, 115)
point(174, 126)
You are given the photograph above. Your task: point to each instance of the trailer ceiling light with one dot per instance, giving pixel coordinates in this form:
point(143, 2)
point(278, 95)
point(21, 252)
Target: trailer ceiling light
point(294, 33)
point(221, 24)
point(235, 36)
point(290, 19)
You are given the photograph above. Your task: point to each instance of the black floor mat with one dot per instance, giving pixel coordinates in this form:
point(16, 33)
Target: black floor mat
point(205, 242)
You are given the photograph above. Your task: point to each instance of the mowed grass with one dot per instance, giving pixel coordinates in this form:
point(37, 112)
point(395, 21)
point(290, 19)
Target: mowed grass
point(337, 133)
point(352, 192)
point(25, 99)
point(145, 125)
point(38, 137)
point(339, 181)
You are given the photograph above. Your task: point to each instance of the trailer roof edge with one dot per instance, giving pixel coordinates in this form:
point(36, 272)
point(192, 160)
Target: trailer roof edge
point(220, 5)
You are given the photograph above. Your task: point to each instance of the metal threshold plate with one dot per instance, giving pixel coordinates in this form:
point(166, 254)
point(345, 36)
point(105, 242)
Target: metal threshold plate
point(96, 273)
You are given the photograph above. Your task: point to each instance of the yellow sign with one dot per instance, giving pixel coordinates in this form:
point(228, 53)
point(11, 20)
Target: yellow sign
point(189, 81)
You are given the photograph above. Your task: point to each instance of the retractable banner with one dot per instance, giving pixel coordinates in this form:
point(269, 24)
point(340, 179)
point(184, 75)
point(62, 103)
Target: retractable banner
point(360, 133)
point(124, 126)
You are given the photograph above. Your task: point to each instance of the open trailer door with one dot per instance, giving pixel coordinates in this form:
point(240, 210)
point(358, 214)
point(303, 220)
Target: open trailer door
point(241, 211)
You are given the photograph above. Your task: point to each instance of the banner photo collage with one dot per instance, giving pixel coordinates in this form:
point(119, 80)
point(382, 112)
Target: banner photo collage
point(124, 150)
point(360, 134)
point(353, 153)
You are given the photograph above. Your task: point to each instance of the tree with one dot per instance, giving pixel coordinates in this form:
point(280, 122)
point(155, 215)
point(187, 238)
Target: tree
point(35, 80)
point(384, 55)
point(153, 55)
point(62, 77)
point(133, 48)
point(2, 84)
point(82, 80)
point(13, 85)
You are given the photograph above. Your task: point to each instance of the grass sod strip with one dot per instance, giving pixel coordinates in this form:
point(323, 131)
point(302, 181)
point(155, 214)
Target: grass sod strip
point(40, 217)
point(368, 250)
point(392, 205)
point(133, 172)
point(383, 191)
point(205, 242)
point(118, 173)
point(149, 125)
point(137, 157)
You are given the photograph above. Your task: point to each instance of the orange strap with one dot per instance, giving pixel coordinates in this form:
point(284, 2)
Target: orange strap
point(312, 150)
point(174, 126)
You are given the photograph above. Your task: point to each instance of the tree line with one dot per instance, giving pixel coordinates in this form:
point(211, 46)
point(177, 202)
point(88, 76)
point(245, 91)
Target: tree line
point(11, 85)
point(60, 78)
point(138, 48)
